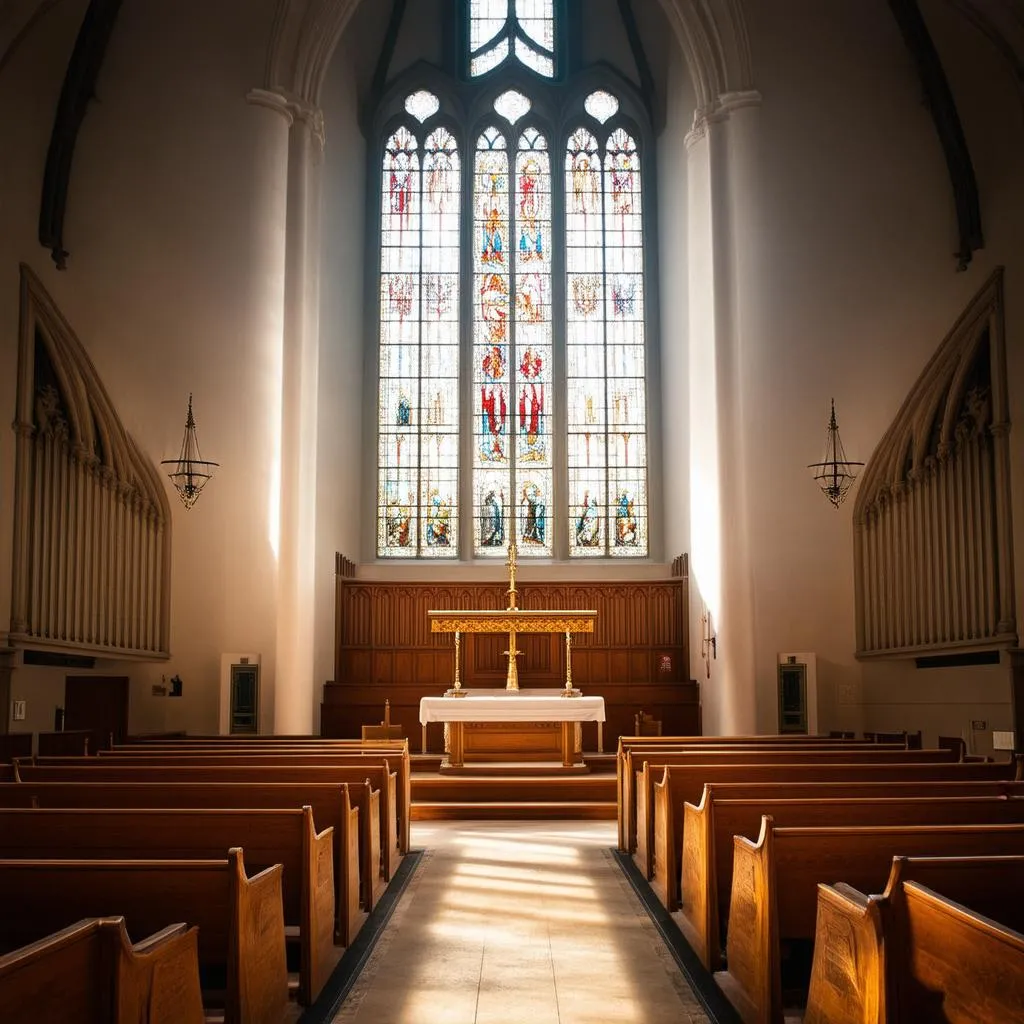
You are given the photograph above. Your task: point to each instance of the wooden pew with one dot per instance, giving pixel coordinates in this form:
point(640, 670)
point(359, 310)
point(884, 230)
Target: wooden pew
point(285, 837)
point(376, 770)
point(774, 891)
point(240, 919)
point(666, 743)
point(942, 942)
point(707, 850)
point(336, 806)
point(637, 797)
point(397, 760)
point(685, 783)
point(91, 973)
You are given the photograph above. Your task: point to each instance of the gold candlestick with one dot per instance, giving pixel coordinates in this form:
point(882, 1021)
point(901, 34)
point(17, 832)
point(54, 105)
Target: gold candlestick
point(512, 679)
point(456, 690)
point(511, 563)
point(569, 690)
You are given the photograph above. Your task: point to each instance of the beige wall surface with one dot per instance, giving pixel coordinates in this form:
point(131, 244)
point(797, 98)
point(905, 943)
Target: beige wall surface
point(833, 211)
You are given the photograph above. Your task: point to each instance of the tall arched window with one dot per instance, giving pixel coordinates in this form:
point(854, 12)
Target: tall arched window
point(530, 309)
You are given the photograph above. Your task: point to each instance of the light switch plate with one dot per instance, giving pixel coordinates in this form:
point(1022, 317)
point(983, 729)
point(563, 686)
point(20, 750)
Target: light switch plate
point(19, 711)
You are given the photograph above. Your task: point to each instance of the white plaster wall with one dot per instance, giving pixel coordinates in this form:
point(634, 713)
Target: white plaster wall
point(859, 291)
point(159, 289)
point(342, 346)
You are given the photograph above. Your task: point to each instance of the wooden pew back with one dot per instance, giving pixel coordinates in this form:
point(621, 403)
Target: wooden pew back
point(338, 806)
point(707, 849)
point(774, 890)
point(240, 919)
point(871, 966)
point(285, 837)
point(90, 973)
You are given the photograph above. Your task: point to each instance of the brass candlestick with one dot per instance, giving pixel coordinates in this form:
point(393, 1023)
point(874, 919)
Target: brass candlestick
point(569, 690)
point(456, 690)
point(511, 563)
point(512, 678)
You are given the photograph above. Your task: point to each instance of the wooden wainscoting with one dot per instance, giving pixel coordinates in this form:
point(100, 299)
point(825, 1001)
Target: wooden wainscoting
point(637, 658)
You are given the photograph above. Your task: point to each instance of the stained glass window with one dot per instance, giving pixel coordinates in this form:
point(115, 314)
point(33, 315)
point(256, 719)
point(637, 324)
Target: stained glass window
point(512, 345)
point(538, 348)
point(418, 426)
point(527, 32)
point(606, 412)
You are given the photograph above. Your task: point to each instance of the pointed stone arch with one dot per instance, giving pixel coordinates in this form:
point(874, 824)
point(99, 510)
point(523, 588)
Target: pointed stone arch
point(932, 520)
point(92, 536)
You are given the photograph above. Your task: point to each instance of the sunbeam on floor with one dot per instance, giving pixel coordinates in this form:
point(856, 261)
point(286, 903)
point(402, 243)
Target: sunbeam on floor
point(519, 923)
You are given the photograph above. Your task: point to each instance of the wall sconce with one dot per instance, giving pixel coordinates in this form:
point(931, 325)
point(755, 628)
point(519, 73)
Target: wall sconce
point(834, 473)
point(708, 640)
point(191, 472)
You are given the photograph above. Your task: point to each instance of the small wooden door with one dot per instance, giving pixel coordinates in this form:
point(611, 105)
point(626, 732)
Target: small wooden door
point(97, 703)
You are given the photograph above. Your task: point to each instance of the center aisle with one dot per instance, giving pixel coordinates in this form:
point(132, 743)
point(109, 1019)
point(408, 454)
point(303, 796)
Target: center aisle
point(519, 923)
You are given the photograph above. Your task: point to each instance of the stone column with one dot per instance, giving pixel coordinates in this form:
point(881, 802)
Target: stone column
point(720, 169)
point(294, 683)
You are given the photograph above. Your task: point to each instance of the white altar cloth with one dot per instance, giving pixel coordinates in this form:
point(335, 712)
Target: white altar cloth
point(502, 706)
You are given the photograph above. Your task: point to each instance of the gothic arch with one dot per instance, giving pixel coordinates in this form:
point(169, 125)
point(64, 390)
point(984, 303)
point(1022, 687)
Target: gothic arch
point(712, 35)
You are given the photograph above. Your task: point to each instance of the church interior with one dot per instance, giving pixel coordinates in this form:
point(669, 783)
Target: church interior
point(559, 424)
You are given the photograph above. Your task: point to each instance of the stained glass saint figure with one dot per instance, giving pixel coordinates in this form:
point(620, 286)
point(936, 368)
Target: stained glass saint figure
point(588, 525)
point(492, 521)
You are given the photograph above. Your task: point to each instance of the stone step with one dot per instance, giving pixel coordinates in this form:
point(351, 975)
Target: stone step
point(565, 810)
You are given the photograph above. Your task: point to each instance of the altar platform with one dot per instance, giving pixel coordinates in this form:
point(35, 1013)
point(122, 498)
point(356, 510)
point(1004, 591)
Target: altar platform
point(514, 792)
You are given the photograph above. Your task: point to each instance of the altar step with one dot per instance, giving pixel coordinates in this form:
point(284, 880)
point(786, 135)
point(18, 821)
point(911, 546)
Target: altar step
point(520, 797)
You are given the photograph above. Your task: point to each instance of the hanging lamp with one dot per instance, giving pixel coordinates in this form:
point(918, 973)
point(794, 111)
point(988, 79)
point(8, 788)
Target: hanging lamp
point(191, 472)
point(834, 473)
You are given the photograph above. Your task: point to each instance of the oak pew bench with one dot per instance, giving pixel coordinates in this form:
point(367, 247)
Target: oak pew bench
point(91, 973)
point(379, 774)
point(639, 798)
point(285, 837)
point(685, 783)
point(396, 752)
point(637, 795)
point(773, 903)
point(943, 942)
point(661, 744)
point(707, 850)
point(241, 939)
point(337, 806)
point(394, 802)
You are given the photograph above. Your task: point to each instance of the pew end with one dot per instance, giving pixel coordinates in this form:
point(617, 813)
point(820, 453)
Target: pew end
point(848, 972)
point(751, 980)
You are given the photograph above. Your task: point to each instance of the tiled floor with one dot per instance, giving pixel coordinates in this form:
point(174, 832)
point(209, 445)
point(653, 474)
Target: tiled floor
point(519, 923)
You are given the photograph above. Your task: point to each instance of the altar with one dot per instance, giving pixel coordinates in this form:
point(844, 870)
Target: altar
point(524, 707)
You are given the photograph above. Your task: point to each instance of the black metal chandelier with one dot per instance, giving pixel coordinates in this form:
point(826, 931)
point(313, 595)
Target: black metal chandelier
point(191, 472)
point(834, 473)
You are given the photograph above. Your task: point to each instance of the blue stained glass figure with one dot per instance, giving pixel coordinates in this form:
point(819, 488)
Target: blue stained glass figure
point(534, 515)
point(404, 417)
point(492, 522)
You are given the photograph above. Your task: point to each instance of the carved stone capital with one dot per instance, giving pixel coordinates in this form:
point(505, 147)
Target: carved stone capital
point(272, 100)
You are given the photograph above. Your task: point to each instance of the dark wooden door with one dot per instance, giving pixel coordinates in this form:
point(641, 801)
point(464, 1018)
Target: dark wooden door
point(98, 704)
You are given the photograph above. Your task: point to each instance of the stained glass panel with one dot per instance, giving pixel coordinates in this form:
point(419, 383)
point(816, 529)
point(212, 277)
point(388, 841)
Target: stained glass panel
point(419, 357)
point(534, 393)
point(491, 341)
point(512, 105)
point(606, 412)
point(601, 105)
point(492, 31)
point(624, 347)
point(422, 104)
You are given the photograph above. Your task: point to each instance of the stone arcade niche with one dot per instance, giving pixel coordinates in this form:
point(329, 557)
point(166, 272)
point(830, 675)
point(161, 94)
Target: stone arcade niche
point(934, 563)
point(92, 537)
